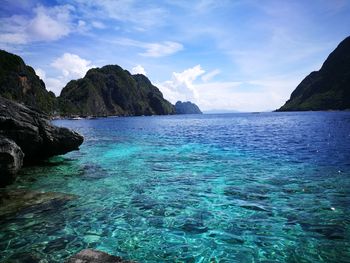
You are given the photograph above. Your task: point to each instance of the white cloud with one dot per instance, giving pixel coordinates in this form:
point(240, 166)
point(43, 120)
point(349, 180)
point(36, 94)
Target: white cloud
point(138, 70)
point(12, 30)
point(52, 84)
point(41, 73)
point(248, 95)
point(210, 75)
point(188, 75)
point(208, 5)
point(160, 49)
point(181, 86)
point(98, 25)
point(55, 84)
point(141, 15)
point(71, 65)
point(261, 95)
point(81, 23)
point(48, 24)
point(82, 27)
point(13, 38)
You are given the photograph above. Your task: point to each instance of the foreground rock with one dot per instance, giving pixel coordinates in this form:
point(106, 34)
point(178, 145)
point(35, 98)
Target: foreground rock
point(30, 131)
point(11, 158)
point(95, 256)
point(34, 133)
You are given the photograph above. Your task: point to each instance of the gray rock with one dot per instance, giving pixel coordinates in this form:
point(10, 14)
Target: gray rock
point(95, 256)
point(11, 159)
point(33, 132)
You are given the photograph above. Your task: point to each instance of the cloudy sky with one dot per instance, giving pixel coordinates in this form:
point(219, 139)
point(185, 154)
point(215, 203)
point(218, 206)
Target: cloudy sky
point(223, 55)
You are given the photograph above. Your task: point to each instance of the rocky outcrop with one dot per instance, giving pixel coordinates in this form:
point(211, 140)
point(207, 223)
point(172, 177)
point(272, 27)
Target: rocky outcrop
point(187, 108)
point(326, 89)
point(33, 133)
point(111, 90)
point(20, 83)
point(95, 256)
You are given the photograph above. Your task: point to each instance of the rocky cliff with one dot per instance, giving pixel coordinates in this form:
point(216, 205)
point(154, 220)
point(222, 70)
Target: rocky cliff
point(19, 82)
point(111, 90)
point(187, 108)
point(326, 89)
point(26, 135)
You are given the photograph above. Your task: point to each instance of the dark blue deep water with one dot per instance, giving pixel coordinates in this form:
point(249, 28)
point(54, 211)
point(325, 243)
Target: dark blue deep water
point(269, 187)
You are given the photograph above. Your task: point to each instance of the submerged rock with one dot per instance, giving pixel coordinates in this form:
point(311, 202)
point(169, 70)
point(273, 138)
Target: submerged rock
point(95, 256)
point(21, 201)
point(11, 159)
point(25, 257)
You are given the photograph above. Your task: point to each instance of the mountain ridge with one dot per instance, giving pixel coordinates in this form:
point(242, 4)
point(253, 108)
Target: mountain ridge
point(111, 90)
point(327, 88)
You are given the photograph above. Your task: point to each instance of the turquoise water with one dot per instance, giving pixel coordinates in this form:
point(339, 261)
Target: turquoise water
point(269, 187)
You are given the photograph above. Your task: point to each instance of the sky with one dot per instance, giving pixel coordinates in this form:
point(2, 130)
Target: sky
point(226, 55)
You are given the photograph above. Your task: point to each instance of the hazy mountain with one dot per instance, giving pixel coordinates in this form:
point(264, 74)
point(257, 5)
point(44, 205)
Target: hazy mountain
point(187, 108)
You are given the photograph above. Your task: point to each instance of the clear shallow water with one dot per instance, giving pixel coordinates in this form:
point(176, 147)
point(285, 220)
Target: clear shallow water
point(270, 187)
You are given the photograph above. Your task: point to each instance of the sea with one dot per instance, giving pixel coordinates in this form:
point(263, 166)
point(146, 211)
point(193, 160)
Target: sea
point(242, 187)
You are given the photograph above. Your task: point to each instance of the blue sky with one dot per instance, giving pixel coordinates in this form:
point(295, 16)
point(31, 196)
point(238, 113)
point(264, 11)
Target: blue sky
point(223, 55)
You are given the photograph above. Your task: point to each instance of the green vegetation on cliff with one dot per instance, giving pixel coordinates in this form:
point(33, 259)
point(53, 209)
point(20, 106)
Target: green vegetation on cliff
point(19, 82)
point(111, 90)
point(326, 89)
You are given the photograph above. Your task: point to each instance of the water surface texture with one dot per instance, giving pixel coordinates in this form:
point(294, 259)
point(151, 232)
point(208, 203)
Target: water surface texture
point(269, 187)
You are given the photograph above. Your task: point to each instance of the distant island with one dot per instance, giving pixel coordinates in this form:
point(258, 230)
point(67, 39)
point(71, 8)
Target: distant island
point(186, 107)
point(326, 89)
